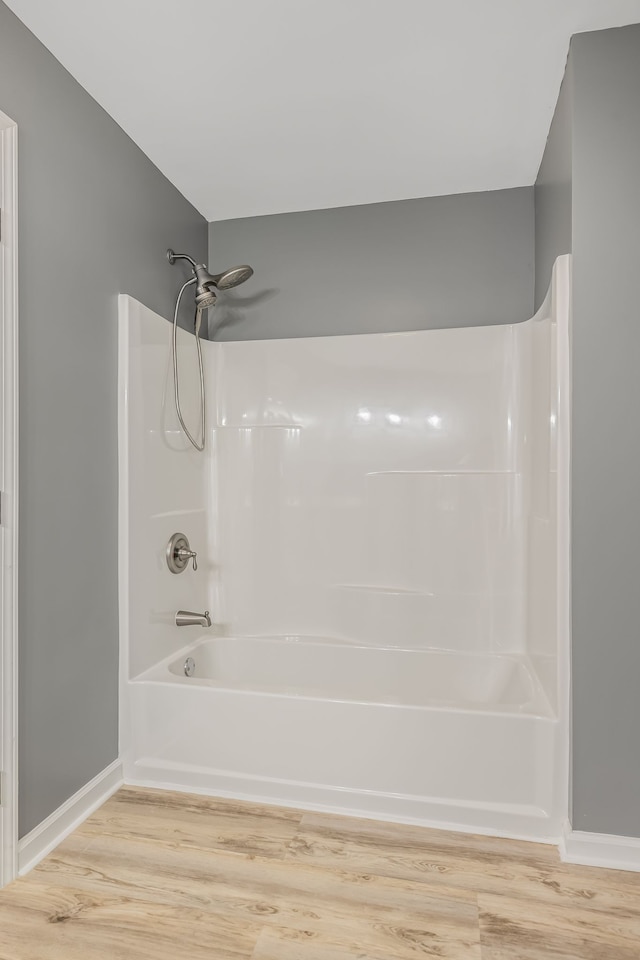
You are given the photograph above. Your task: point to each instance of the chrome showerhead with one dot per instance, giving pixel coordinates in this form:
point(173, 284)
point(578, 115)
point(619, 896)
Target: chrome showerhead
point(205, 299)
point(207, 283)
point(205, 289)
point(232, 277)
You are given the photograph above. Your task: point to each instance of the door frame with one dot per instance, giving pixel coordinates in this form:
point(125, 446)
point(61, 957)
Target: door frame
point(9, 501)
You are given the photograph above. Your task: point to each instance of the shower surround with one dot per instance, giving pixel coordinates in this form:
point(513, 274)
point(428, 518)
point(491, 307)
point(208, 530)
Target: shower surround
point(381, 524)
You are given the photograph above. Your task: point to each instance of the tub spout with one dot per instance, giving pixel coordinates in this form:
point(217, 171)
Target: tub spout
point(185, 618)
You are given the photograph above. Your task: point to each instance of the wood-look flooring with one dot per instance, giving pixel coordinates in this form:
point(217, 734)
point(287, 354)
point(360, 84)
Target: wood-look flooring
point(167, 876)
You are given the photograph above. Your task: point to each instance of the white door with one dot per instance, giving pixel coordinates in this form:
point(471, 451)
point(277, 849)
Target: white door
point(8, 500)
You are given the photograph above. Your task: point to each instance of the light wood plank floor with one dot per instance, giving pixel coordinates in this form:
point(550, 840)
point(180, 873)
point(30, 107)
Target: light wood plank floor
point(165, 876)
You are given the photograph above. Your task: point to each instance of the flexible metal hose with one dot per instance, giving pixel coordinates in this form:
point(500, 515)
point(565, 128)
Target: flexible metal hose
point(196, 326)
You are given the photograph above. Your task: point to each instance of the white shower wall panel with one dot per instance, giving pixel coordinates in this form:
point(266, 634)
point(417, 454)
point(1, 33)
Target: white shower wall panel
point(372, 487)
point(542, 531)
point(166, 491)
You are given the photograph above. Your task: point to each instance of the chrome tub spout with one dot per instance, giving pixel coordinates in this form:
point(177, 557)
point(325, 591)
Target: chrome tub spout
point(185, 618)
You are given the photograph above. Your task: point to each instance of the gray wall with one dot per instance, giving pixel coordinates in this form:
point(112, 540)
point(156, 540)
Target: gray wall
point(588, 202)
point(95, 219)
point(407, 265)
point(606, 432)
point(553, 193)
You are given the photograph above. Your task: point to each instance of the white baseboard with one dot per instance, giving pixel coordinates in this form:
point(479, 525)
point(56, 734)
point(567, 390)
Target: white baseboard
point(600, 849)
point(47, 835)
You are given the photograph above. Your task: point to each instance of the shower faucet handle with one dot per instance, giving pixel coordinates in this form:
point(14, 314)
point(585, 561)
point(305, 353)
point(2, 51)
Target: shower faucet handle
point(179, 553)
point(187, 555)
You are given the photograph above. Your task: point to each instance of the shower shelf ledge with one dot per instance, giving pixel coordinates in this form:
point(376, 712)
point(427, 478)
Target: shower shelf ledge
point(259, 426)
point(444, 473)
point(388, 589)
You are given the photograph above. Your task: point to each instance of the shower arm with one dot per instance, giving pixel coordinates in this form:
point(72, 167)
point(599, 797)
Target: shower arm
point(172, 257)
point(206, 283)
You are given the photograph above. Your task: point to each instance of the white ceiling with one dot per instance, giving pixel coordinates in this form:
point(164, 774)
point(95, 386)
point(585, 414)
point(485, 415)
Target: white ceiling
point(266, 106)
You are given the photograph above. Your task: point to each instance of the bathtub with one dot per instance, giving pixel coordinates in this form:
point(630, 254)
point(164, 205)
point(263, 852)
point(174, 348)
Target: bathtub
point(297, 666)
point(318, 723)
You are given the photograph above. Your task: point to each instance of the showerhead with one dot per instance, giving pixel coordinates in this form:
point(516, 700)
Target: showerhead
point(205, 289)
point(233, 277)
point(205, 299)
point(207, 283)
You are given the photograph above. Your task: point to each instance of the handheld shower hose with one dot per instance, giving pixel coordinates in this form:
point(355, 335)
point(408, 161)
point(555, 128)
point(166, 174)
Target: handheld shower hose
point(198, 444)
point(207, 286)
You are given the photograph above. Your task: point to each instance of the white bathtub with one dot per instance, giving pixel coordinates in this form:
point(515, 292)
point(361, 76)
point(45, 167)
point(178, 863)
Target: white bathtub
point(331, 670)
point(420, 735)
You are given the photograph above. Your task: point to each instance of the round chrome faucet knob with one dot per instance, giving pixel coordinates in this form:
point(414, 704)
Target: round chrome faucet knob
point(179, 553)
